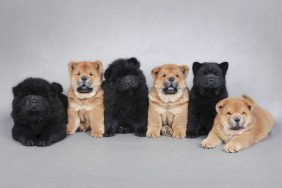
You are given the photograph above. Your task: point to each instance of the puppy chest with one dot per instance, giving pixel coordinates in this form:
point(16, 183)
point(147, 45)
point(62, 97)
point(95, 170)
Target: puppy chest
point(167, 118)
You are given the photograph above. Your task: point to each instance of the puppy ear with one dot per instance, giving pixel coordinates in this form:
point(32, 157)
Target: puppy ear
point(72, 66)
point(224, 67)
point(56, 87)
point(99, 66)
point(108, 73)
point(134, 61)
point(185, 70)
point(251, 104)
point(155, 71)
point(17, 90)
point(219, 106)
point(196, 66)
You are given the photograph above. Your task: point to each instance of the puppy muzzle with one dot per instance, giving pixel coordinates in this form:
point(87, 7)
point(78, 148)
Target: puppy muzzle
point(170, 86)
point(128, 82)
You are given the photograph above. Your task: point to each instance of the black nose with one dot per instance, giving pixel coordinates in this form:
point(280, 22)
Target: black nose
point(33, 101)
point(171, 79)
point(237, 119)
point(211, 81)
point(83, 78)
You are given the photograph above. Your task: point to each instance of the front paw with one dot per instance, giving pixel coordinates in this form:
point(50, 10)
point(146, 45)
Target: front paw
point(43, 142)
point(192, 134)
point(70, 129)
point(232, 147)
point(27, 141)
point(97, 133)
point(207, 144)
point(109, 133)
point(140, 132)
point(179, 134)
point(153, 132)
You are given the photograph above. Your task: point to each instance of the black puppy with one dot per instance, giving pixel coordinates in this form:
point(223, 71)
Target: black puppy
point(39, 112)
point(125, 98)
point(208, 88)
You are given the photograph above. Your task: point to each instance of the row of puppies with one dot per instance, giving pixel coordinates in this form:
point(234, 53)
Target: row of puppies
point(125, 96)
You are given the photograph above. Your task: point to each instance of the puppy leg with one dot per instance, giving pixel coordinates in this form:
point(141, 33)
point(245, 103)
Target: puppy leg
point(96, 119)
point(140, 128)
point(194, 126)
point(54, 134)
point(154, 123)
point(211, 141)
point(239, 142)
point(73, 121)
point(24, 135)
point(179, 124)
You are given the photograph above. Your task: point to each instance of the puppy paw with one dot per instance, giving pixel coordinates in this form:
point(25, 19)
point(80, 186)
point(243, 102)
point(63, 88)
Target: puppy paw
point(167, 131)
point(123, 130)
point(70, 130)
point(27, 141)
point(207, 144)
point(140, 133)
point(179, 134)
point(153, 133)
point(232, 147)
point(109, 133)
point(192, 134)
point(83, 128)
point(44, 142)
point(97, 133)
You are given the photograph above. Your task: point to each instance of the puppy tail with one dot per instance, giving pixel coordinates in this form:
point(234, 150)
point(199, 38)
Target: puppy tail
point(248, 98)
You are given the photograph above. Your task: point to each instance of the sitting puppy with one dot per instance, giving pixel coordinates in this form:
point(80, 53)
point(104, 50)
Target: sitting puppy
point(126, 98)
point(85, 96)
point(168, 102)
point(39, 112)
point(239, 123)
point(208, 88)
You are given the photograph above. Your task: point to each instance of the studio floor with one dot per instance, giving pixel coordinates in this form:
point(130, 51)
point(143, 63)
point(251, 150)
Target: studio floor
point(130, 161)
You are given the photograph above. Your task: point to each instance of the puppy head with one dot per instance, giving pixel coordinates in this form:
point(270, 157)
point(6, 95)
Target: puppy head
point(86, 78)
point(235, 113)
point(34, 99)
point(125, 75)
point(170, 79)
point(209, 78)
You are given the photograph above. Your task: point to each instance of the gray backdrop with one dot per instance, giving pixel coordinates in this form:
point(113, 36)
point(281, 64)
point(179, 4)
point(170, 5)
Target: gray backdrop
point(39, 37)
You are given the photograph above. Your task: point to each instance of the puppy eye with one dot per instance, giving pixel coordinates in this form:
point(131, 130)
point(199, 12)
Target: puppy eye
point(164, 75)
point(91, 74)
point(177, 75)
point(228, 113)
point(78, 74)
point(244, 113)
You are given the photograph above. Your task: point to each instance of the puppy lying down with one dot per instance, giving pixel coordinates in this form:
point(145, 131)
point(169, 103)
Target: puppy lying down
point(239, 123)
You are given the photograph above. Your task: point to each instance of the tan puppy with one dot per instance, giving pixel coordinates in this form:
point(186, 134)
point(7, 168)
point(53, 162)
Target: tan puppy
point(85, 96)
point(168, 102)
point(239, 123)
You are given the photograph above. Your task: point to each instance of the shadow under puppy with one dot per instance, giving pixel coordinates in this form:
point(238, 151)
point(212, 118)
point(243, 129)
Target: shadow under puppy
point(168, 102)
point(239, 123)
point(85, 96)
point(39, 111)
point(126, 98)
point(209, 87)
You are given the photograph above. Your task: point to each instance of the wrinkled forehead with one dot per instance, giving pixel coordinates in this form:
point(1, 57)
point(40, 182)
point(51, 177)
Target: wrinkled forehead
point(235, 106)
point(210, 67)
point(85, 67)
point(170, 70)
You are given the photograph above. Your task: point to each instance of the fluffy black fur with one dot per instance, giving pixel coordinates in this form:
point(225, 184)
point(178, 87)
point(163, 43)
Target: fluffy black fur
point(125, 98)
point(39, 112)
point(209, 87)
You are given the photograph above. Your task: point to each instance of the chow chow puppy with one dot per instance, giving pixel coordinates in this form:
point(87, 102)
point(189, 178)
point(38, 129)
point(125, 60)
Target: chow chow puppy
point(208, 88)
point(85, 96)
point(39, 111)
point(126, 98)
point(168, 102)
point(239, 123)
